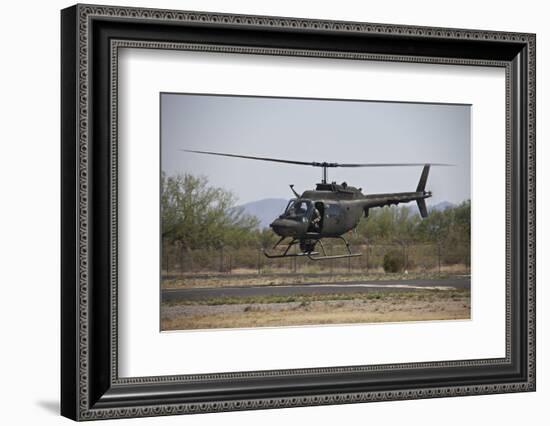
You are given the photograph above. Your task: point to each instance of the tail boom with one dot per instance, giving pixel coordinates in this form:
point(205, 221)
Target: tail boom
point(420, 195)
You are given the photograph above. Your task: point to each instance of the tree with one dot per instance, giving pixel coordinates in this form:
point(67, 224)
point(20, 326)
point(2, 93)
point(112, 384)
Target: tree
point(266, 238)
point(196, 215)
point(435, 227)
point(459, 233)
point(378, 226)
point(390, 224)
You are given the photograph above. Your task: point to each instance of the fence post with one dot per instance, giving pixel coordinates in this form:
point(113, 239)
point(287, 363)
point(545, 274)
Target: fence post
point(369, 252)
point(439, 257)
point(259, 260)
point(165, 256)
point(331, 261)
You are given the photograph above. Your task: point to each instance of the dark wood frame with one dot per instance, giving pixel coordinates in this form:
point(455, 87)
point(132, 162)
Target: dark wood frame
point(90, 386)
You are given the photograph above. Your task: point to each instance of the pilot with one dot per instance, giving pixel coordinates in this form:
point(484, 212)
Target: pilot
point(316, 220)
point(299, 209)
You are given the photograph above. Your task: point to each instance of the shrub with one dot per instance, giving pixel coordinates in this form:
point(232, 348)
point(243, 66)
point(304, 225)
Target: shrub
point(393, 261)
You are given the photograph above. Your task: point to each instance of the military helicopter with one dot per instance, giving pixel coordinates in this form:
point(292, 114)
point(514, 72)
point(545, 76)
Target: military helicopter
point(331, 209)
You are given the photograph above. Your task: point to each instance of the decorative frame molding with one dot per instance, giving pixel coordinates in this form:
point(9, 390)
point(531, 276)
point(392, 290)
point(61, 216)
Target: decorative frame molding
point(91, 37)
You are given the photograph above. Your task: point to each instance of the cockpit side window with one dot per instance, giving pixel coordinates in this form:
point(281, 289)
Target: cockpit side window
point(288, 206)
point(298, 208)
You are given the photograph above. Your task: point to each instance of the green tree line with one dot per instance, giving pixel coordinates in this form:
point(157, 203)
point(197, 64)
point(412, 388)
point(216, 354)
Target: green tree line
point(404, 225)
point(199, 216)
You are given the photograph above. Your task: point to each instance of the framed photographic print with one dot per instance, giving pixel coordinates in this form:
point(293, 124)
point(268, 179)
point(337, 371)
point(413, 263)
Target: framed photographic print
point(263, 212)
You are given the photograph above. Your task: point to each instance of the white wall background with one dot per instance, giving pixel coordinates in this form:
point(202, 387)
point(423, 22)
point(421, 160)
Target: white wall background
point(29, 225)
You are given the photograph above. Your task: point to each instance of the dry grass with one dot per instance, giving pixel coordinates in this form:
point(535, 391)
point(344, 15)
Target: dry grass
point(390, 307)
point(402, 296)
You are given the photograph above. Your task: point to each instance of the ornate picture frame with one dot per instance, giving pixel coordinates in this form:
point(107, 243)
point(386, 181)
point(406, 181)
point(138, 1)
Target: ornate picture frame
point(91, 37)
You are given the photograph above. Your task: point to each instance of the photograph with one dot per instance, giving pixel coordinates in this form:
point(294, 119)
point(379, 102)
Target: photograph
point(279, 211)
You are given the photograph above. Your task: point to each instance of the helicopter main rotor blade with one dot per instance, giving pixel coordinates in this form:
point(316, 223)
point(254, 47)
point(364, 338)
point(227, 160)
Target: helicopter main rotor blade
point(315, 163)
point(391, 164)
point(277, 160)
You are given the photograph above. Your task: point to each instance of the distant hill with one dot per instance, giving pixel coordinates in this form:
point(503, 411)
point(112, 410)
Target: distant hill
point(439, 207)
point(443, 205)
point(268, 209)
point(265, 210)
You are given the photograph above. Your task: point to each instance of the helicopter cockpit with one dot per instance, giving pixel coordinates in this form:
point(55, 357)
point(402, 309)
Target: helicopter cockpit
point(298, 210)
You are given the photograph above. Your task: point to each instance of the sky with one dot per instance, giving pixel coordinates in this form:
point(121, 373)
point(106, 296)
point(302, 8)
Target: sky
point(319, 130)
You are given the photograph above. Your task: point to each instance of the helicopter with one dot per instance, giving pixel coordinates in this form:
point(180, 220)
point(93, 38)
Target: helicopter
point(331, 210)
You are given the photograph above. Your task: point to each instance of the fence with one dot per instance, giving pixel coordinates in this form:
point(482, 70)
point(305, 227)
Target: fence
point(414, 258)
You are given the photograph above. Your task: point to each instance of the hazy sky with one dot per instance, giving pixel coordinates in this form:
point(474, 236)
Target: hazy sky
point(316, 130)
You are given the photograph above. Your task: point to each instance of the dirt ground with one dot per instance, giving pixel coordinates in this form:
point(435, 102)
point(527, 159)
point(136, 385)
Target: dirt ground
point(386, 307)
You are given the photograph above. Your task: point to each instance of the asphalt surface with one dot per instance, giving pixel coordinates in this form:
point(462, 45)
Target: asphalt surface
point(459, 282)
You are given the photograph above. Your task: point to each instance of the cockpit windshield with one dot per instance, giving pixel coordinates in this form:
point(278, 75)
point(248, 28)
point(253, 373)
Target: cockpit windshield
point(297, 209)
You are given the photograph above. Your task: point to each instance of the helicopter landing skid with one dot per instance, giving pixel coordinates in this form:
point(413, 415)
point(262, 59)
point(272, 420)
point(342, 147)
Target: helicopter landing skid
point(315, 257)
point(279, 256)
point(286, 253)
point(312, 255)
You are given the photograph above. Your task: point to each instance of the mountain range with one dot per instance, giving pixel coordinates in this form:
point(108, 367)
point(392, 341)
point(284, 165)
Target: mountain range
point(270, 208)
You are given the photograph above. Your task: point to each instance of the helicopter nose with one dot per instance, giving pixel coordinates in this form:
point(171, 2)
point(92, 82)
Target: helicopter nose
point(284, 227)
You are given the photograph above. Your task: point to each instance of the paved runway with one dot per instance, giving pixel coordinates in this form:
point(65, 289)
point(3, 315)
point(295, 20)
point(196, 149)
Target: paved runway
point(459, 282)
